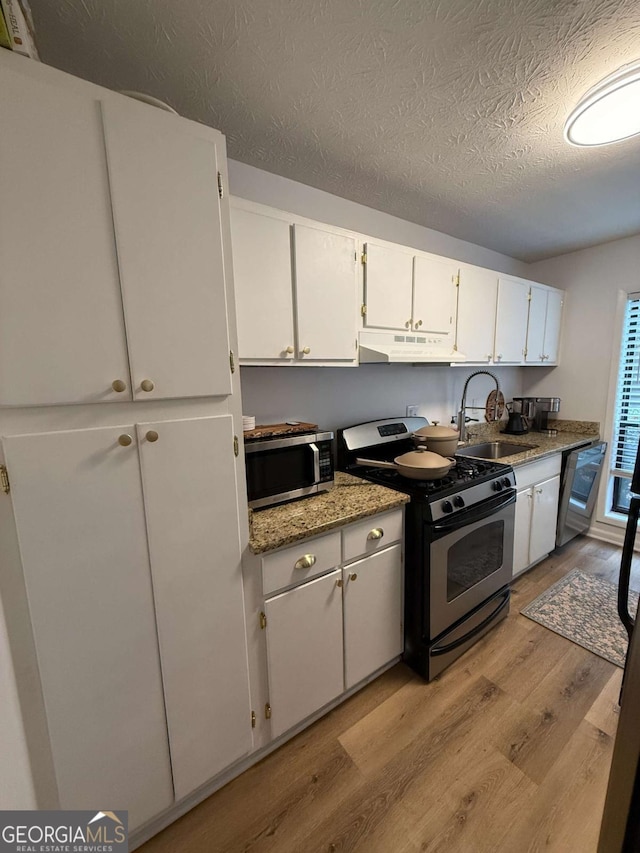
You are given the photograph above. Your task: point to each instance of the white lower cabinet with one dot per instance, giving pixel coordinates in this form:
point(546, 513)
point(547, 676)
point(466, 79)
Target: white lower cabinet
point(305, 650)
point(373, 634)
point(130, 553)
point(332, 615)
point(536, 512)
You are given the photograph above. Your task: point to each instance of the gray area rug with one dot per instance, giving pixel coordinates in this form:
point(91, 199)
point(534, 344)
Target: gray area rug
point(583, 608)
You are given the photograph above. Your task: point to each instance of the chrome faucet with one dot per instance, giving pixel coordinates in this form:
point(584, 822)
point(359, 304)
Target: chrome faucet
point(462, 425)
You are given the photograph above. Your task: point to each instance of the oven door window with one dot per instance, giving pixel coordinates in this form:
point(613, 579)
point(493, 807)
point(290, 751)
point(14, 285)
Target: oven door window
point(275, 472)
point(474, 557)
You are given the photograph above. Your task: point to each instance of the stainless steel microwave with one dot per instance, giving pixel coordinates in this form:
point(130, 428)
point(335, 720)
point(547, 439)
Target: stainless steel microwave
point(283, 468)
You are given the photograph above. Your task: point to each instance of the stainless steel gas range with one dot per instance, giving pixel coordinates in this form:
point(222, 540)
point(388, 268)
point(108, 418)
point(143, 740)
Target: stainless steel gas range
point(458, 542)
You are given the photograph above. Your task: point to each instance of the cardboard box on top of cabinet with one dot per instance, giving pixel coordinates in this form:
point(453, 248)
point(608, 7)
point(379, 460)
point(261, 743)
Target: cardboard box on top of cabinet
point(18, 23)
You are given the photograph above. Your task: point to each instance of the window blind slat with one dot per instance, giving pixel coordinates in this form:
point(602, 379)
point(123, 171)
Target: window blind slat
point(626, 430)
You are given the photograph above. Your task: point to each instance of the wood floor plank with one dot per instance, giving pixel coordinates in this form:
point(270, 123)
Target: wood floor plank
point(605, 711)
point(565, 813)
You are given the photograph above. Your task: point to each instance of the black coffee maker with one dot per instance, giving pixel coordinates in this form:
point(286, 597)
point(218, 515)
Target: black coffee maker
point(521, 411)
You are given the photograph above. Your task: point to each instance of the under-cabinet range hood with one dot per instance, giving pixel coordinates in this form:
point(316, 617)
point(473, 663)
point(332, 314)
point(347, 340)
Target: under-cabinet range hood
point(407, 348)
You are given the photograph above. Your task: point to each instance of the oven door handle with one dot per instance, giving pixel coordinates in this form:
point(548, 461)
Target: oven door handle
point(471, 515)
point(454, 644)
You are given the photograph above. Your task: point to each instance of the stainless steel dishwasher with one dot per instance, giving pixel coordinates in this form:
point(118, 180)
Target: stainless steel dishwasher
point(581, 472)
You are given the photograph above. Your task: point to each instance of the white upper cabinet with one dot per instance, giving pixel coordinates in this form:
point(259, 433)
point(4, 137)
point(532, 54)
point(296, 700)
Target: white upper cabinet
point(434, 295)
point(388, 287)
point(511, 321)
point(477, 299)
point(263, 284)
point(166, 212)
point(77, 162)
point(543, 334)
point(326, 294)
point(62, 334)
point(296, 288)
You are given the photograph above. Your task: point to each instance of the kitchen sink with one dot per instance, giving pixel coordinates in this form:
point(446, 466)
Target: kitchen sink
point(494, 449)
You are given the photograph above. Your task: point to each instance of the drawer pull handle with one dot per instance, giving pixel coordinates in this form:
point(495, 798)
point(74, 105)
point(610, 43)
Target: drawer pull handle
point(306, 562)
point(376, 533)
point(353, 576)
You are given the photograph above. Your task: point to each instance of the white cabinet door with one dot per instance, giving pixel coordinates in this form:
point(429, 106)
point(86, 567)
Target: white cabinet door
point(544, 518)
point(61, 325)
point(373, 632)
point(166, 212)
point(434, 295)
point(511, 321)
point(304, 650)
point(189, 483)
point(78, 507)
point(263, 285)
point(536, 326)
point(476, 323)
point(553, 322)
point(388, 287)
point(522, 531)
point(326, 293)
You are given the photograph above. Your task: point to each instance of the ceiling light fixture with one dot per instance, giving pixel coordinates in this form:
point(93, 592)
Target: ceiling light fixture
point(609, 112)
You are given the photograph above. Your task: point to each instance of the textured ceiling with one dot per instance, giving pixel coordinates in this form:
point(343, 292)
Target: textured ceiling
point(448, 113)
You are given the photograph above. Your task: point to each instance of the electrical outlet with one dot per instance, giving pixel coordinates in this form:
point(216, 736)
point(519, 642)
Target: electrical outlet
point(412, 411)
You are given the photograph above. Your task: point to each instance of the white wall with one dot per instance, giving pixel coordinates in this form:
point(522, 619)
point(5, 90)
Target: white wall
point(335, 397)
point(591, 278)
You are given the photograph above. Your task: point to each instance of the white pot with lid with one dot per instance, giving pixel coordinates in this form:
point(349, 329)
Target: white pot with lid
point(439, 439)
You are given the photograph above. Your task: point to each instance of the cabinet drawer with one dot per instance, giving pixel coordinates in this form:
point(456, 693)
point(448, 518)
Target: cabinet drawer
point(300, 562)
point(536, 472)
point(371, 534)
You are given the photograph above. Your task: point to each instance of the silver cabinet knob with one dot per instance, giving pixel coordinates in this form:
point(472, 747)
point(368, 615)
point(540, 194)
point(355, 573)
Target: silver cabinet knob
point(290, 350)
point(306, 350)
point(147, 385)
point(407, 325)
point(353, 576)
point(305, 562)
point(125, 440)
point(118, 385)
point(418, 324)
point(376, 533)
point(152, 435)
point(499, 356)
point(339, 583)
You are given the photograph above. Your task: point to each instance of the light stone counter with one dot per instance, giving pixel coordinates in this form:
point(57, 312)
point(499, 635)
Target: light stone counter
point(350, 500)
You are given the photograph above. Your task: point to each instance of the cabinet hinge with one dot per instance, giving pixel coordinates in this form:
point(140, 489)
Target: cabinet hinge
point(363, 258)
point(267, 711)
point(236, 445)
point(253, 719)
point(220, 187)
point(4, 480)
point(232, 361)
point(263, 620)
point(363, 310)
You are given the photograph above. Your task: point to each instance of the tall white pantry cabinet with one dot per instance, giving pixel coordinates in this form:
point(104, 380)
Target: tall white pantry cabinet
point(122, 627)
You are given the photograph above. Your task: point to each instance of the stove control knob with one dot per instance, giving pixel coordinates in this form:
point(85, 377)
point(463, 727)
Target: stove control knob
point(498, 486)
point(458, 501)
point(506, 482)
point(446, 506)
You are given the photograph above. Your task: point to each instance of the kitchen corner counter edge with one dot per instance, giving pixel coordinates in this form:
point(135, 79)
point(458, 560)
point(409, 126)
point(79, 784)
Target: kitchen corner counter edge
point(351, 499)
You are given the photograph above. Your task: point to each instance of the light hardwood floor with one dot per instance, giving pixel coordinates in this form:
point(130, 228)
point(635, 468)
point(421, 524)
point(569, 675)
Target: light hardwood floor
point(508, 751)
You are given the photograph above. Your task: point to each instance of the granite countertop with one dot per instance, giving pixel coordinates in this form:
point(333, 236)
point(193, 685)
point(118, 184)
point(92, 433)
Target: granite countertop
point(350, 500)
point(570, 434)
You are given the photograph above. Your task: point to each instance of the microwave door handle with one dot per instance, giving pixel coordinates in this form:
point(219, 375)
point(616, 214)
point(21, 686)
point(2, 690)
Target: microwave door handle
point(316, 462)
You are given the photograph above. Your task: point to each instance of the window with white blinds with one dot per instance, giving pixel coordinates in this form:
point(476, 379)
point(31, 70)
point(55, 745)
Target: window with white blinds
point(626, 427)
